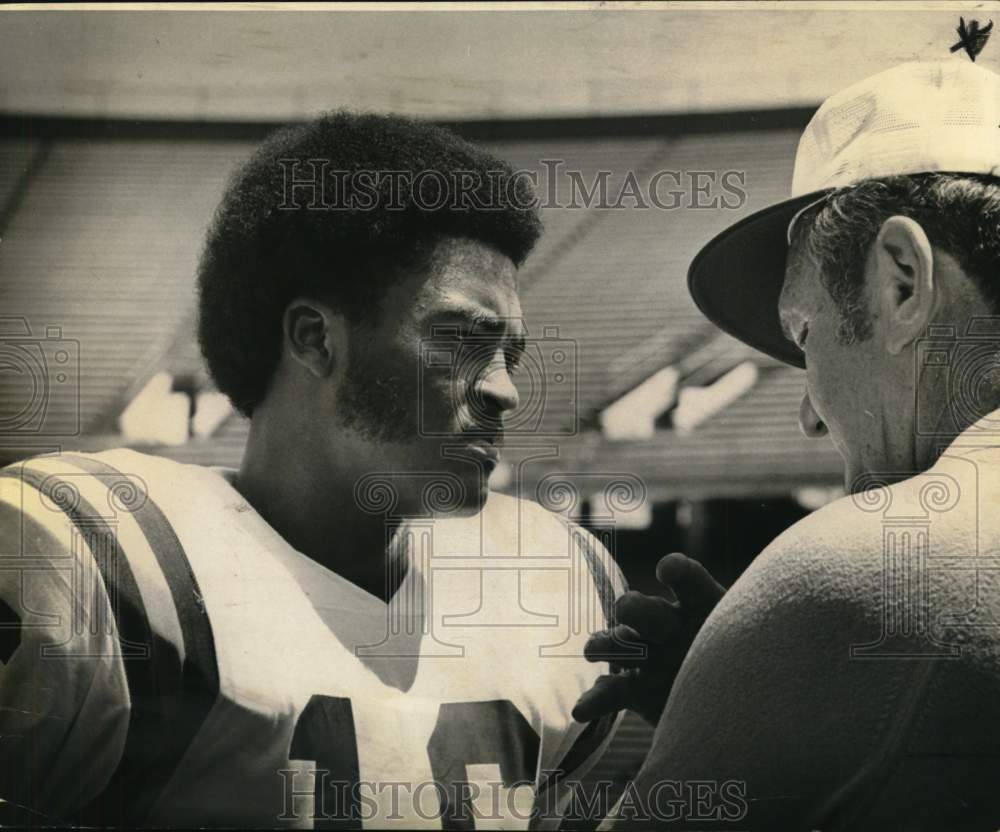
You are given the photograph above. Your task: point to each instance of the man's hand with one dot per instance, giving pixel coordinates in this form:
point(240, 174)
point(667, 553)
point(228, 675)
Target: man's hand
point(649, 641)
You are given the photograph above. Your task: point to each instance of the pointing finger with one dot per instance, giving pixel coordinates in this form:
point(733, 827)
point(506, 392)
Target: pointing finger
point(691, 582)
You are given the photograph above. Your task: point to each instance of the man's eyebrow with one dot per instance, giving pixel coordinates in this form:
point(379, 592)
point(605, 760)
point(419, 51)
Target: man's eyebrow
point(482, 319)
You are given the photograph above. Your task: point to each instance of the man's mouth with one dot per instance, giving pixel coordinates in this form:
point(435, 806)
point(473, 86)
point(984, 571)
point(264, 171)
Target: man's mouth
point(487, 450)
point(485, 446)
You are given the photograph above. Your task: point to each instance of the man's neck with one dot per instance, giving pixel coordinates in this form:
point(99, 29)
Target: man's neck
point(953, 422)
point(313, 512)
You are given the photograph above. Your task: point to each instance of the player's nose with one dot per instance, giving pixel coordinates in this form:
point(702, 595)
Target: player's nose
point(809, 421)
point(497, 389)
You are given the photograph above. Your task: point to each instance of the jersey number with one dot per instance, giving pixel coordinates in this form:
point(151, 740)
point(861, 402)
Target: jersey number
point(490, 733)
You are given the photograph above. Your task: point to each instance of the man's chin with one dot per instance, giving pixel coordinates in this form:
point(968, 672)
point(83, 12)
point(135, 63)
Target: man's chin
point(477, 492)
point(465, 497)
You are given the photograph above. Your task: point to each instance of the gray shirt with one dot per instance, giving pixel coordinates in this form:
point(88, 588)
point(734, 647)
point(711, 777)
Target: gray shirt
point(851, 678)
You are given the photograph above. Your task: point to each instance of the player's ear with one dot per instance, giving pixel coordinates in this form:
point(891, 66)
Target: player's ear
point(903, 261)
point(315, 336)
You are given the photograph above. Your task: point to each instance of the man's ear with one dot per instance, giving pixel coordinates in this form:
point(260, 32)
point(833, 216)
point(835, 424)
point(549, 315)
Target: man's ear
point(904, 269)
point(315, 336)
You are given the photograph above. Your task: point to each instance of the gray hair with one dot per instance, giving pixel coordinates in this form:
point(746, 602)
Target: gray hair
point(960, 213)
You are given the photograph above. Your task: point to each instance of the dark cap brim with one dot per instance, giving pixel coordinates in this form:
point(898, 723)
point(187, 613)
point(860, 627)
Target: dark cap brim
point(736, 278)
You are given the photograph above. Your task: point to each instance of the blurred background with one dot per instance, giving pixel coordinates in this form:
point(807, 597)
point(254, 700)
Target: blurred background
point(119, 129)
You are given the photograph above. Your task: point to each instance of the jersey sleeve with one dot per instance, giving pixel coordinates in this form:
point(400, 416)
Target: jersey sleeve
point(64, 702)
point(601, 584)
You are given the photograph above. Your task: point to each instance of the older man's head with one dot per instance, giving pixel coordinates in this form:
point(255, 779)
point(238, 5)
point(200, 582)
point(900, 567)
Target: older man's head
point(889, 241)
point(873, 272)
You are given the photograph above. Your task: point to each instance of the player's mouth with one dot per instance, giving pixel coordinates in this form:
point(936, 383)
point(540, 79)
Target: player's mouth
point(484, 447)
point(485, 450)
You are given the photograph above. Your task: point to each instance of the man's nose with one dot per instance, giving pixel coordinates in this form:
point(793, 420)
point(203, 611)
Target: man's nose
point(497, 390)
point(809, 420)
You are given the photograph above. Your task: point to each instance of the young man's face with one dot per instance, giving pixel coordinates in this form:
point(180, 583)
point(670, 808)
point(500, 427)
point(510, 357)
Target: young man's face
point(428, 383)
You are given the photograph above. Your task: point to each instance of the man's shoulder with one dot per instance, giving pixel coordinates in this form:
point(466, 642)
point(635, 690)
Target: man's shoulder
point(892, 554)
point(501, 503)
point(536, 529)
point(526, 518)
point(53, 498)
point(872, 606)
point(846, 542)
point(821, 576)
point(531, 530)
point(538, 517)
point(122, 460)
point(833, 553)
point(123, 470)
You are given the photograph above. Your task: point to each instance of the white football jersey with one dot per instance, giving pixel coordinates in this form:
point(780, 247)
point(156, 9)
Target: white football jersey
point(167, 658)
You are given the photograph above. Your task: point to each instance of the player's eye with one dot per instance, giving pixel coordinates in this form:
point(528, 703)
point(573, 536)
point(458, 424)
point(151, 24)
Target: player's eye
point(512, 357)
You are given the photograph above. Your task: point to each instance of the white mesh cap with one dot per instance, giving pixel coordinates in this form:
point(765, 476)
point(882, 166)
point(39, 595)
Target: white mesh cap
point(922, 117)
point(917, 117)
